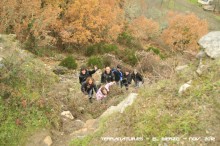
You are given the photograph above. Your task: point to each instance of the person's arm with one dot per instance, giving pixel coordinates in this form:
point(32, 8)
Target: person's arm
point(80, 79)
point(83, 88)
point(95, 88)
point(129, 79)
point(108, 85)
point(113, 77)
point(103, 78)
point(93, 71)
point(141, 77)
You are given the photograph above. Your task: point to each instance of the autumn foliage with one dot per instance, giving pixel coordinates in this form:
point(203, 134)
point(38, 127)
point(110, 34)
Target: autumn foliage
point(78, 22)
point(25, 18)
point(184, 31)
point(85, 22)
point(143, 28)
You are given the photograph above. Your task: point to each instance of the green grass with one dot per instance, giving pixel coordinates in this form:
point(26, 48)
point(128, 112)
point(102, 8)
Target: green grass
point(193, 1)
point(217, 17)
point(24, 83)
point(160, 112)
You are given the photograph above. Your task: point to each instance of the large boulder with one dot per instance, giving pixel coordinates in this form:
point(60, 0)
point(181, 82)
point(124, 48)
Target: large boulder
point(211, 44)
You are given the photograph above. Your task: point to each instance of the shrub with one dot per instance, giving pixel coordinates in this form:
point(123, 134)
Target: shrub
point(101, 48)
point(132, 59)
point(69, 62)
point(184, 31)
point(106, 62)
point(92, 61)
point(128, 56)
point(125, 39)
point(91, 50)
point(143, 28)
point(156, 51)
point(107, 48)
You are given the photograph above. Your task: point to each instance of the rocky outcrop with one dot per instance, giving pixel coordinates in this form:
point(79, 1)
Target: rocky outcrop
point(67, 114)
point(211, 44)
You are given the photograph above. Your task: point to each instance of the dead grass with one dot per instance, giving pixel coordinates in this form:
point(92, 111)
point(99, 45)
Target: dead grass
point(160, 112)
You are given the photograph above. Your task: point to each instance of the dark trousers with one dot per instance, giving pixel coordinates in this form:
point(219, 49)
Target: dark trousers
point(89, 93)
point(124, 83)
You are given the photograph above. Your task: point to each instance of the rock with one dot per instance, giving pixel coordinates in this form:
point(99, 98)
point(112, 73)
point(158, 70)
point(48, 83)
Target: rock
point(201, 55)
point(60, 70)
point(211, 44)
point(79, 124)
point(121, 106)
point(67, 114)
point(48, 141)
point(90, 126)
point(70, 126)
point(1, 65)
point(180, 68)
point(81, 109)
point(184, 87)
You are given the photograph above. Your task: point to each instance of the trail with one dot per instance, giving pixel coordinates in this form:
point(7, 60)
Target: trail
point(66, 96)
point(92, 125)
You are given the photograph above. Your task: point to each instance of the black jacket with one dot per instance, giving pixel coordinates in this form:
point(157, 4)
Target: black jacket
point(137, 77)
point(127, 78)
point(82, 78)
point(118, 75)
point(106, 78)
point(86, 87)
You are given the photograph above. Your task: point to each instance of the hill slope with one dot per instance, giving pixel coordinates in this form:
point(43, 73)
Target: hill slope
point(161, 116)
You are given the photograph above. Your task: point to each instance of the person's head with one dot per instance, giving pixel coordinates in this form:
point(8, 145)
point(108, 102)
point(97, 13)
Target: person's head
point(127, 72)
point(135, 71)
point(104, 91)
point(107, 69)
point(83, 70)
point(89, 80)
point(119, 67)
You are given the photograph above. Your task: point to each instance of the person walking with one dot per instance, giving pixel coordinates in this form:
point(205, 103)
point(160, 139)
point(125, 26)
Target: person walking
point(84, 74)
point(107, 76)
point(137, 77)
point(103, 91)
point(126, 81)
point(118, 75)
point(88, 86)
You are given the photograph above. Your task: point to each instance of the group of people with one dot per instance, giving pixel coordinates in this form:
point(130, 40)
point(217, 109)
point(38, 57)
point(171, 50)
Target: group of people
point(108, 78)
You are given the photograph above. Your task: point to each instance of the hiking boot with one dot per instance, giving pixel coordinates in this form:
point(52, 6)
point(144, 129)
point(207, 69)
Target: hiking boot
point(90, 99)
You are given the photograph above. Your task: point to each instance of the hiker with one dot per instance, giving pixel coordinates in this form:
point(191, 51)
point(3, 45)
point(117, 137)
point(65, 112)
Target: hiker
point(137, 77)
point(118, 75)
point(88, 86)
point(103, 91)
point(107, 76)
point(84, 74)
point(126, 79)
